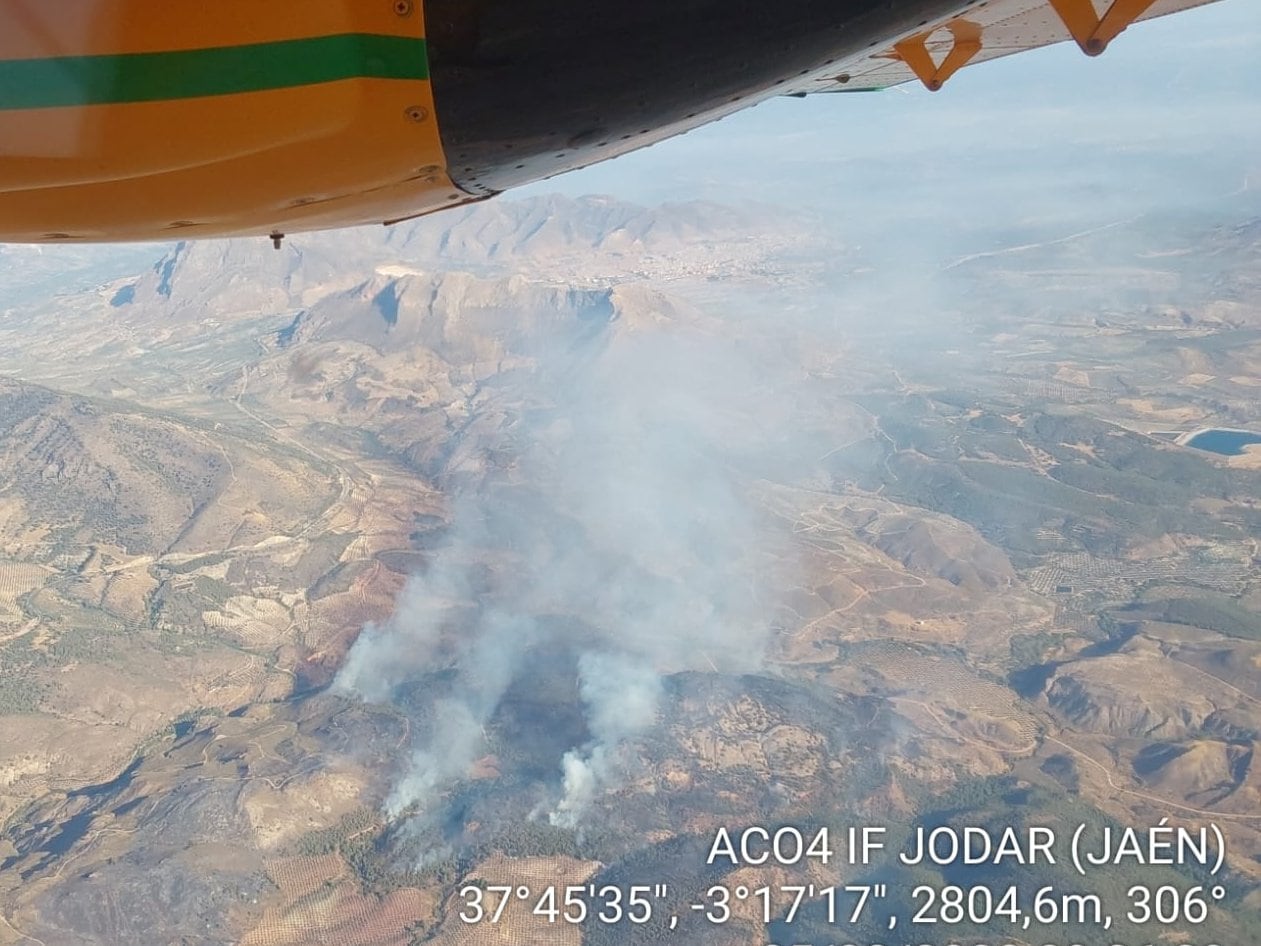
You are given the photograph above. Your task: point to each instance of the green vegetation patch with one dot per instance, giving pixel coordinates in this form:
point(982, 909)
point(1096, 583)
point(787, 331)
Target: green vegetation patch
point(1212, 612)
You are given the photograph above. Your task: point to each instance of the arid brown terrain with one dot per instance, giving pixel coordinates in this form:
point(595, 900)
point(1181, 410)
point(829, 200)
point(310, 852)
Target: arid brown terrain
point(921, 567)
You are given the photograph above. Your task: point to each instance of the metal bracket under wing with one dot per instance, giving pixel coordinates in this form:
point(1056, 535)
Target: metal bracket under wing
point(914, 52)
point(933, 51)
point(1093, 32)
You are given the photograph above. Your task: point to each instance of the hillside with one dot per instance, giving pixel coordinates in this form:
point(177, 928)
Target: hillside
point(543, 539)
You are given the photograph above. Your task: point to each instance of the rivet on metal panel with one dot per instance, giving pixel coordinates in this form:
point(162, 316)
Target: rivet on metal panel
point(1092, 32)
point(914, 52)
point(402, 7)
point(416, 113)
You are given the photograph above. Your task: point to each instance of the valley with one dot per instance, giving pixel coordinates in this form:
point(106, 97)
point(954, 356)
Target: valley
point(522, 544)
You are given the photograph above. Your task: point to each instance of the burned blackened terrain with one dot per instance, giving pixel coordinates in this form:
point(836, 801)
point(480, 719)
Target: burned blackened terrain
point(471, 554)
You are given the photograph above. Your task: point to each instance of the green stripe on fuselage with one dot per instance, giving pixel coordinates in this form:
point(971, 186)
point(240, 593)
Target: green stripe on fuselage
point(67, 81)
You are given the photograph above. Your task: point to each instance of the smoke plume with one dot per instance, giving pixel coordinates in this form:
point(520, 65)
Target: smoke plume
point(610, 522)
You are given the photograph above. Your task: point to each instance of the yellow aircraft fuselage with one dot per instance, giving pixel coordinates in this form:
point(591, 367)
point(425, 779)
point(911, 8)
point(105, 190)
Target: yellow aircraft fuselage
point(138, 119)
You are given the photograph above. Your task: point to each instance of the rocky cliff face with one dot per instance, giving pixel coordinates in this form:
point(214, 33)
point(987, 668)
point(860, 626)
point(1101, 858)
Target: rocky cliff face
point(344, 566)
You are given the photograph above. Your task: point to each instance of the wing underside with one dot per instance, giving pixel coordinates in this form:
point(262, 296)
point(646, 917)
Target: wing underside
point(981, 31)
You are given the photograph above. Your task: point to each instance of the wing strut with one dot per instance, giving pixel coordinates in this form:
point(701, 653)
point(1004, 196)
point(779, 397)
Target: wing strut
point(1093, 32)
point(967, 43)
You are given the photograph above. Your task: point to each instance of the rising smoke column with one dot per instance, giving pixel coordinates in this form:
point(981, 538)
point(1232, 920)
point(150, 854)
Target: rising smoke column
point(623, 508)
point(622, 696)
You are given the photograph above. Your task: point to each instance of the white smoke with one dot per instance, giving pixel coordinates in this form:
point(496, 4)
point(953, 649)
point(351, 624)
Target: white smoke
point(620, 532)
point(622, 697)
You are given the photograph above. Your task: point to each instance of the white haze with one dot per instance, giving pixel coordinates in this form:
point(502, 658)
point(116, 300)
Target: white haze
point(625, 506)
point(620, 532)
